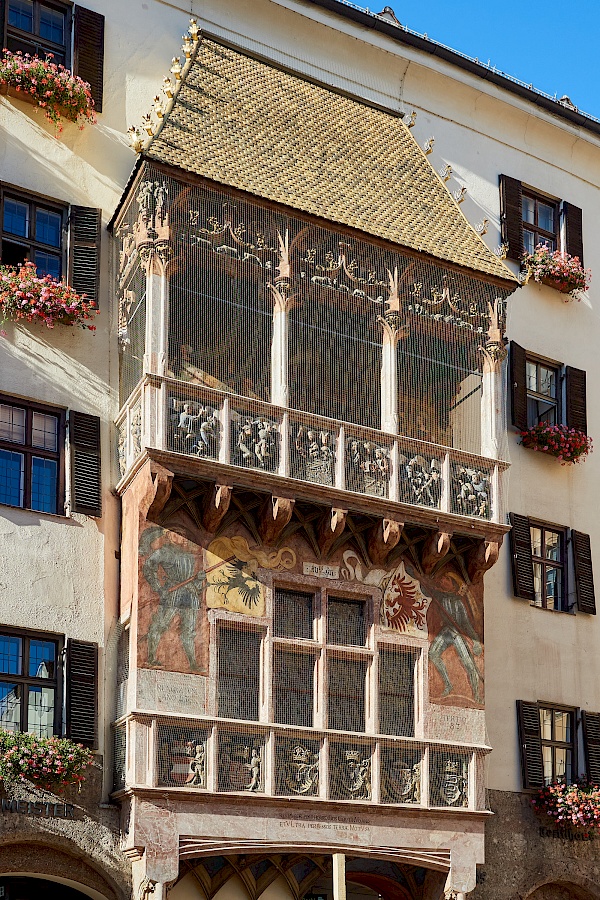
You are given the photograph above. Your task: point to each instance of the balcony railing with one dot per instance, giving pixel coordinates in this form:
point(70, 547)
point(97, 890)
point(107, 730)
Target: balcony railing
point(167, 414)
point(225, 756)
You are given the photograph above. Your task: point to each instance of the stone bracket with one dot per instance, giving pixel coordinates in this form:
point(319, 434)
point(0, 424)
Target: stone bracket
point(383, 537)
point(159, 482)
point(274, 516)
point(216, 506)
point(331, 527)
point(482, 558)
point(435, 548)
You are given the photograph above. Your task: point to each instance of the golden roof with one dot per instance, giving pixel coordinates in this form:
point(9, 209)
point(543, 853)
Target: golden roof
point(246, 124)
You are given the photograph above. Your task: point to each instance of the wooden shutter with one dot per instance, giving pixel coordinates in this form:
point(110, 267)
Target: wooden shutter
point(576, 399)
point(522, 563)
point(88, 51)
point(584, 574)
point(574, 230)
point(530, 739)
point(82, 692)
point(511, 216)
point(518, 386)
point(84, 248)
point(84, 433)
point(3, 20)
point(591, 741)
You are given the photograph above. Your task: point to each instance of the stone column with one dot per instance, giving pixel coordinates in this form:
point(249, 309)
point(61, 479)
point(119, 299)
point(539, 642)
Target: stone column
point(392, 332)
point(339, 876)
point(151, 235)
point(279, 343)
point(493, 403)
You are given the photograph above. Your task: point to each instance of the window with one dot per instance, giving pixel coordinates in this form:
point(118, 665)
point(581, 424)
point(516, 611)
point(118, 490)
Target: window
point(32, 229)
point(547, 551)
point(72, 35)
point(528, 217)
point(558, 743)
point(31, 456)
point(540, 564)
point(546, 391)
point(29, 698)
point(323, 664)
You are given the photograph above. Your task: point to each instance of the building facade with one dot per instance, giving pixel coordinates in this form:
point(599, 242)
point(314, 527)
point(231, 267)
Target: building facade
point(337, 623)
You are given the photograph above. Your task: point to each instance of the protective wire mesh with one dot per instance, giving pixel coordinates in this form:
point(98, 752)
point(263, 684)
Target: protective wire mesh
point(122, 673)
point(229, 260)
point(293, 614)
point(401, 771)
point(448, 777)
point(241, 761)
point(346, 693)
point(350, 770)
point(346, 622)
point(238, 680)
point(293, 687)
point(397, 691)
point(182, 755)
point(131, 289)
point(297, 766)
point(119, 756)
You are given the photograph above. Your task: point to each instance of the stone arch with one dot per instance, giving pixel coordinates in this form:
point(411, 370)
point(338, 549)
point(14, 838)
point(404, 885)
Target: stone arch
point(40, 860)
point(573, 888)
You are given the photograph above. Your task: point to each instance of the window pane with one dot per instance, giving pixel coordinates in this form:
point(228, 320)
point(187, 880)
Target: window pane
point(547, 757)
point(47, 227)
point(396, 692)
point(293, 680)
point(12, 423)
point(44, 432)
point(528, 241)
point(16, 217)
point(529, 210)
point(547, 381)
point(42, 656)
point(562, 727)
point(553, 546)
point(347, 694)
point(553, 588)
point(562, 764)
point(40, 711)
point(47, 263)
point(44, 482)
point(538, 574)
point(20, 14)
point(293, 615)
point(11, 655)
point(346, 622)
point(238, 673)
point(546, 724)
point(52, 25)
point(10, 706)
point(536, 541)
point(540, 411)
point(12, 472)
point(545, 217)
point(531, 376)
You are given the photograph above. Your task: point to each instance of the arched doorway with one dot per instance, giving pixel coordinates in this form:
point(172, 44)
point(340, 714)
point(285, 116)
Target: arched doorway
point(33, 888)
point(557, 891)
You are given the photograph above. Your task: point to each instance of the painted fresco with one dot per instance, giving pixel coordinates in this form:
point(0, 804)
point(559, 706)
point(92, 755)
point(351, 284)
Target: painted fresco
point(181, 580)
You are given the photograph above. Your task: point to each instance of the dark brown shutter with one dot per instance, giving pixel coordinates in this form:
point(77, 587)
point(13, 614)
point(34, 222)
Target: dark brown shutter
point(591, 741)
point(88, 51)
point(511, 216)
point(518, 386)
point(85, 250)
point(522, 563)
point(82, 699)
point(84, 433)
point(3, 20)
point(584, 574)
point(530, 739)
point(574, 230)
point(576, 399)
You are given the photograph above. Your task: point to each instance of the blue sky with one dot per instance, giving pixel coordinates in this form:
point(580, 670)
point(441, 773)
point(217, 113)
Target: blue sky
point(554, 45)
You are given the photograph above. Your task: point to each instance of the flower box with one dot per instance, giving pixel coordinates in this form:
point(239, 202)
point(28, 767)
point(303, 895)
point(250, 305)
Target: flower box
point(27, 297)
point(567, 444)
point(576, 805)
point(51, 87)
point(52, 763)
point(557, 270)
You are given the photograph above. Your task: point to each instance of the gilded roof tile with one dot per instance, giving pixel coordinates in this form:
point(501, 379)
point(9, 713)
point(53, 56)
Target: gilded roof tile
point(241, 122)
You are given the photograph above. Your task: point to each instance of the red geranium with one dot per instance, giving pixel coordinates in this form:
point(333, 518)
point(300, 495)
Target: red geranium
point(566, 444)
point(564, 272)
point(570, 804)
point(25, 295)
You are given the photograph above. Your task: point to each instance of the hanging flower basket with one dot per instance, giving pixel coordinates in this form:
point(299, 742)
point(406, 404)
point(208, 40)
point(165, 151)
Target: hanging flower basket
point(558, 270)
point(51, 763)
point(24, 295)
point(566, 444)
point(570, 804)
point(50, 86)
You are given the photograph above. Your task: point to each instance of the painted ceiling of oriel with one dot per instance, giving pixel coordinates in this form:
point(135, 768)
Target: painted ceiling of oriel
point(246, 124)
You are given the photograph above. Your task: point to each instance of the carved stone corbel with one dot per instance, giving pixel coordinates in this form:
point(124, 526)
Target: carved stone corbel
point(332, 525)
point(215, 506)
point(482, 558)
point(435, 548)
point(275, 514)
point(383, 537)
point(159, 482)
